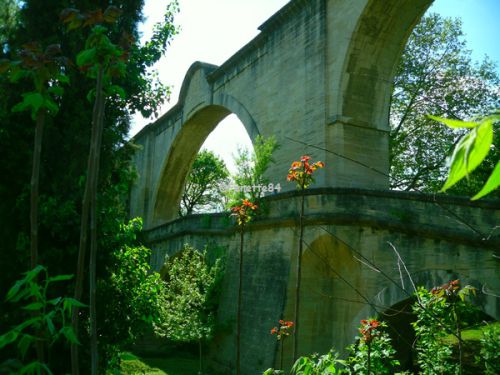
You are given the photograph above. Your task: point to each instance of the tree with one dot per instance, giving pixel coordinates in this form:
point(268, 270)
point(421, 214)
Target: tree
point(436, 76)
point(66, 143)
point(190, 298)
point(249, 181)
point(203, 186)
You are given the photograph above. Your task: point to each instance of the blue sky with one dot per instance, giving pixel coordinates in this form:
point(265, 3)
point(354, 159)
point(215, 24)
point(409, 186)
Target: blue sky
point(481, 24)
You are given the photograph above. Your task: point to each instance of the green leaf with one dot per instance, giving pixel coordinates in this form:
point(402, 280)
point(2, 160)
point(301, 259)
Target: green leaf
point(34, 368)
point(86, 57)
point(91, 95)
point(33, 100)
point(8, 337)
point(15, 289)
point(62, 78)
point(51, 106)
point(60, 278)
point(68, 302)
point(56, 90)
point(492, 183)
point(455, 124)
point(50, 324)
point(54, 301)
point(33, 306)
point(24, 344)
point(67, 331)
point(469, 152)
point(18, 74)
point(27, 323)
point(115, 89)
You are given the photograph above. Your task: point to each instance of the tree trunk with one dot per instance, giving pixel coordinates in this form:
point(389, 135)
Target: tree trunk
point(200, 372)
point(299, 277)
point(35, 183)
point(92, 172)
point(238, 316)
point(93, 227)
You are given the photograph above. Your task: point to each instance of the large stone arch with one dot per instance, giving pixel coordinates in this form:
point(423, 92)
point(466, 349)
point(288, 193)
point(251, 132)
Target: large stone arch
point(361, 84)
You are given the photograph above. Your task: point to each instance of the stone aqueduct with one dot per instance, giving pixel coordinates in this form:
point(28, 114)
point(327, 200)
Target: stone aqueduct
point(320, 72)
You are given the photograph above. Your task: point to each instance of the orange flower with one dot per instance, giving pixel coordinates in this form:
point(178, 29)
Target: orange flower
point(302, 171)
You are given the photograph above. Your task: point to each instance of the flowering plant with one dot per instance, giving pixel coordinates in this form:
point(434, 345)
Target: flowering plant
point(368, 329)
point(373, 353)
point(283, 330)
point(302, 171)
point(243, 212)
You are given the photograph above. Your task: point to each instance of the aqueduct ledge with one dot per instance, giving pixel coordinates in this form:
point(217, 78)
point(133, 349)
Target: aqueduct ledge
point(348, 232)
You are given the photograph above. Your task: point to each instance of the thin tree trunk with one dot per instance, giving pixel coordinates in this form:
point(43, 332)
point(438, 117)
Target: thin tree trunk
point(238, 318)
point(459, 337)
point(93, 227)
point(35, 183)
point(281, 354)
point(201, 367)
point(91, 170)
point(369, 358)
point(299, 277)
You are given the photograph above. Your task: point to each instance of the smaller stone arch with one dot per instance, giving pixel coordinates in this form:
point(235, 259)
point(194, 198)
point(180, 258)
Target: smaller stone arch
point(392, 300)
point(186, 144)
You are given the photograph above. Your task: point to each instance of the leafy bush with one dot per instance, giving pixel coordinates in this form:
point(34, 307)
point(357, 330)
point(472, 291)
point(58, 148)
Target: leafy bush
point(129, 300)
point(45, 322)
point(490, 347)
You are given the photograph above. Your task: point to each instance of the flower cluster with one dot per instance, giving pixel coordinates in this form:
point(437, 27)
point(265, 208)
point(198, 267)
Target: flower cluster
point(283, 330)
point(243, 212)
point(452, 291)
point(449, 289)
point(369, 330)
point(302, 171)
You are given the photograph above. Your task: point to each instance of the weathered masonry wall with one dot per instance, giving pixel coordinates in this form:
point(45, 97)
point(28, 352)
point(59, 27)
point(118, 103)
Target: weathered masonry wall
point(439, 239)
point(319, 73)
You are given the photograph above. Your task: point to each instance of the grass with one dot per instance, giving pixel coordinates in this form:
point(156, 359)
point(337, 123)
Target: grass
point(468, 335)
point(179, 365)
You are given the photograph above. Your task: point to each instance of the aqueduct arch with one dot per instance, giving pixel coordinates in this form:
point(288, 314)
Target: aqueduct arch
point(320, 72)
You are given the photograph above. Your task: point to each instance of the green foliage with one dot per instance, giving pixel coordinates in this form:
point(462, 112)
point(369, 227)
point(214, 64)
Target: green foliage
point(470, 151)
point(46, 320)
point(251, 168)
point(202, 192)
point(128, 301)
point(326, 364)
point(9, 20)
point(441, 311)
point(436, 75)
point(490, 347)
point(45, 69)
point(372, 352)
point(189, 300)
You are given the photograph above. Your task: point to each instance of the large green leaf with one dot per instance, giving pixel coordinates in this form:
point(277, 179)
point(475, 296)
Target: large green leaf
point(8, 338)
point(33, 306)
point(24, 344)
point(455, 123)
point(86, 57)
point(492, 183)
point(67, 331)
point(470, 152)
point(60, 278)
